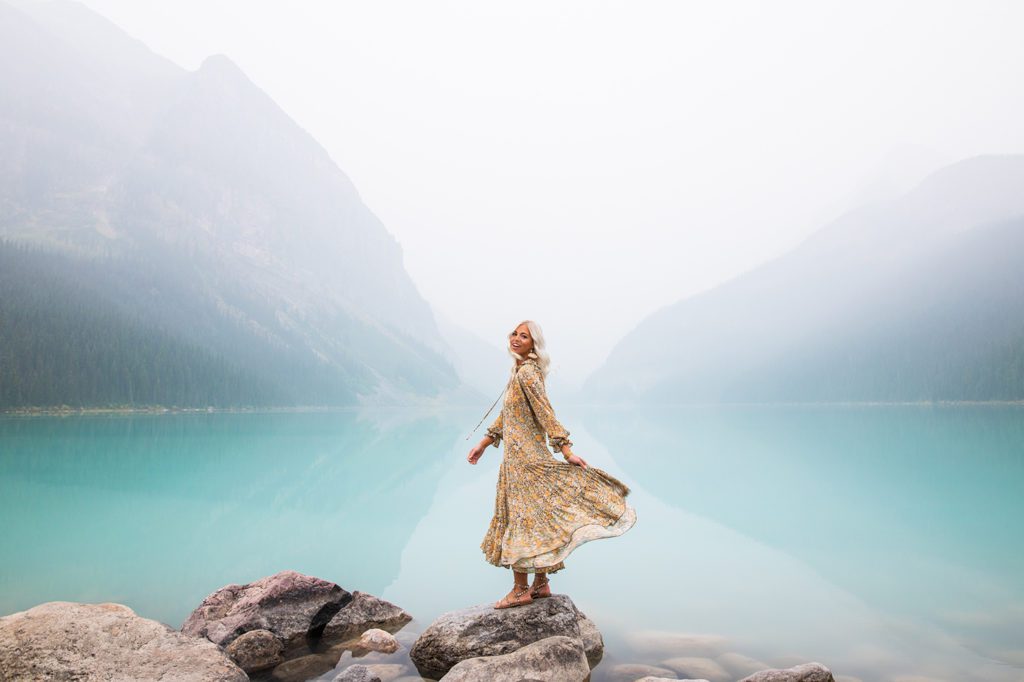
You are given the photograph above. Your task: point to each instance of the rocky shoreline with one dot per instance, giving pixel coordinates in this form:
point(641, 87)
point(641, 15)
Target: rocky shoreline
point(290, 627)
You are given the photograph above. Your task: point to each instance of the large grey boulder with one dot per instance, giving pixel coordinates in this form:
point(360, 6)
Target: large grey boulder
point(593, 642)
point(483, 630)
point(554, 659)
point(293, 607)
point(71, 641)
point(807, 672)
point(288, 604)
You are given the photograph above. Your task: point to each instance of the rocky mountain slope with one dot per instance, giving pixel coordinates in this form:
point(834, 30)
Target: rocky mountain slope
point(916, 298)
point(216, 220)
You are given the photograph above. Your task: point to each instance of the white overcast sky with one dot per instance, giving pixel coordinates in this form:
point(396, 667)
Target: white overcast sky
point(586, 163)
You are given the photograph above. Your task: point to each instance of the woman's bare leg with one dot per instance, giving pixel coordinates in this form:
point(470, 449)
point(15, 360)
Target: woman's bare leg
point(540, 588)
point(541, 578)
point(517, 592)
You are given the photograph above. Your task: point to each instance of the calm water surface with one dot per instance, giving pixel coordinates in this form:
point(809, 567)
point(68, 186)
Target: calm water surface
point(884, 542)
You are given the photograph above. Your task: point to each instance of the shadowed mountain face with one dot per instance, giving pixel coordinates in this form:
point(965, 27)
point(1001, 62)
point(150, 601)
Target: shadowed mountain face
point(248, 241)
point(919, 298)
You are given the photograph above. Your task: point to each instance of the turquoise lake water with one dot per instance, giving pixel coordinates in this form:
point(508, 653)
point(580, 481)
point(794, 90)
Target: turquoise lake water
point(886, 542)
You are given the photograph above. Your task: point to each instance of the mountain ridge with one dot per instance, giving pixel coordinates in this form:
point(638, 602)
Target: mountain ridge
point(254, 244)
point(729, 333)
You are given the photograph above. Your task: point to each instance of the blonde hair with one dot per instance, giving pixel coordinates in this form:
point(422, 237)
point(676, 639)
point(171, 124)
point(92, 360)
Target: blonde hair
point(539, 347)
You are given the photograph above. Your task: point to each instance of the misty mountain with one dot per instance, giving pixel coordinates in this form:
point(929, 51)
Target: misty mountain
point(219, 223)
point(482, 365)
point(916, 298)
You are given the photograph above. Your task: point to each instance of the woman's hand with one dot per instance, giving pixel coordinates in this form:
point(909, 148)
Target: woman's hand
point(576, 459)
point(475, 453)
point(478, 449)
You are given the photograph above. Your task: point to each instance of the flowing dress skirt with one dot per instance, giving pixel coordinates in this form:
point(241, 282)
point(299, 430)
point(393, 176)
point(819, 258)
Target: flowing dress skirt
point(545, 508)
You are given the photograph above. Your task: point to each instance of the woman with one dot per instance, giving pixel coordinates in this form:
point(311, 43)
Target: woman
point(544, 508)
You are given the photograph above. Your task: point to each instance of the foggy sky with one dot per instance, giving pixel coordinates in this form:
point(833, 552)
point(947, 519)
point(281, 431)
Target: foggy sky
point(586, 163)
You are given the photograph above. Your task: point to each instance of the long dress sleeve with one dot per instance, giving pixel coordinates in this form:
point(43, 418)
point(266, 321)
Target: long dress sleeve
point(532, 382)
point(495, 431)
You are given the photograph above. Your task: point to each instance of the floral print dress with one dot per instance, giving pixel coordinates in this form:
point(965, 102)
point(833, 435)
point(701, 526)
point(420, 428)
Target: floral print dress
point(544, 507)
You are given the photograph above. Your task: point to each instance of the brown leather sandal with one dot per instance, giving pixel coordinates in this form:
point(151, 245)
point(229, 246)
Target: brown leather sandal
point(540, 588)
point(517, 598)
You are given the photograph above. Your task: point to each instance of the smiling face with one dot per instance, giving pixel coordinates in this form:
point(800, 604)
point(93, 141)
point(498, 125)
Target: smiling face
point(521, 341)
